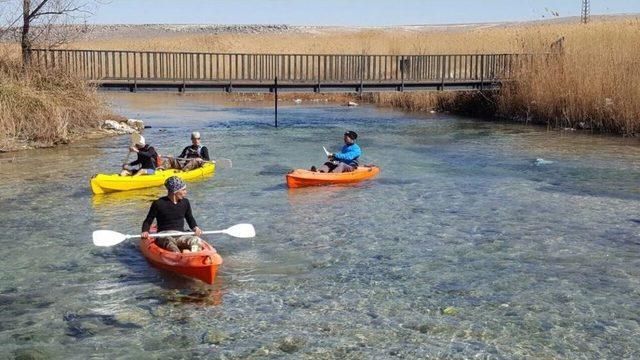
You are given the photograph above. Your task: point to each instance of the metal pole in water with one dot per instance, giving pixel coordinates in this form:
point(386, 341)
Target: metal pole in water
point(275, 89)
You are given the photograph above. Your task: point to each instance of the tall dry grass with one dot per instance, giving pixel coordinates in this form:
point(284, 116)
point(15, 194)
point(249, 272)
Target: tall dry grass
point(43, 108)
point(594, 85)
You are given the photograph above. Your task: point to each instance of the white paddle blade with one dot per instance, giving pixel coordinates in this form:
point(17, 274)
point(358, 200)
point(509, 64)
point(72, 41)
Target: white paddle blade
point(107, 238)
point(241, 231)
point(224, 163)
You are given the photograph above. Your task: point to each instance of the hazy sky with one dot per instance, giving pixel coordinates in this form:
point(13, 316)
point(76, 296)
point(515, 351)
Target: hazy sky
point(344, 12)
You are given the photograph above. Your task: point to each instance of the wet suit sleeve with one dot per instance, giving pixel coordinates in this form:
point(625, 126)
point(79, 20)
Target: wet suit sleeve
point(350, 154)
point(151, 153)
point(153, 211)
point(189, 217)
point(204, 152)
point(183, 154)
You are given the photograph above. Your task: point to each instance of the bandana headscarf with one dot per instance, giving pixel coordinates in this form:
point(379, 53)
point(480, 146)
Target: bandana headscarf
point(175, 184)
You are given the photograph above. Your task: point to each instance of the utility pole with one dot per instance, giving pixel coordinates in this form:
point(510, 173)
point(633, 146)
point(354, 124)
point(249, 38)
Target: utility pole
point(586, 11)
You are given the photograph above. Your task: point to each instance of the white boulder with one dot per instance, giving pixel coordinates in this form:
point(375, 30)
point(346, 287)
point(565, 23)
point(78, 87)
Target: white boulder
point(116, 127)
point(136, 124)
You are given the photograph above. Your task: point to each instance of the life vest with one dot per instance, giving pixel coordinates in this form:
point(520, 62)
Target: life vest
point(158, 159)
point(194, 153)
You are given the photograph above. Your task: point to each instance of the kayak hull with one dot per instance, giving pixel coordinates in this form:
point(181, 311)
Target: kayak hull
point(302, 178)
point(202, 265)
point(106, 183)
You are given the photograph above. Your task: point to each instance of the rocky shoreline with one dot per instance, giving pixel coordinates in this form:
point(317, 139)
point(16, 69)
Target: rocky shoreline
point(108, 128)
point(102, 32)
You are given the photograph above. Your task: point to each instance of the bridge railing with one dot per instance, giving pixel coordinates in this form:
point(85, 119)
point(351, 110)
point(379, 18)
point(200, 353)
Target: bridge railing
point(102, 65)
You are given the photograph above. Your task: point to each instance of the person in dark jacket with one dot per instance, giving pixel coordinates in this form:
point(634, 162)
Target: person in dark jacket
point(192, 156)
point(170, 212)
point(147, 156)
point(344, 161)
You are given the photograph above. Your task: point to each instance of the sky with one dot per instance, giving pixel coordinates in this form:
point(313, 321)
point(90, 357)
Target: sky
point(343, 12)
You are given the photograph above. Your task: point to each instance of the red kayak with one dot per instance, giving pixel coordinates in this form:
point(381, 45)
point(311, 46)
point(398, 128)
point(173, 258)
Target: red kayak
point(202, 265)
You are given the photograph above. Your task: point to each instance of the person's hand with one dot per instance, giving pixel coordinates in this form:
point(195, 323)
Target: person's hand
point(197, 231)
point(133, 149)
point(331, 157)
point(144, 235)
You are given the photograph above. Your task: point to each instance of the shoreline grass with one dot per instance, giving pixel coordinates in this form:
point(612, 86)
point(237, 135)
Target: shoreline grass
point(43, 108)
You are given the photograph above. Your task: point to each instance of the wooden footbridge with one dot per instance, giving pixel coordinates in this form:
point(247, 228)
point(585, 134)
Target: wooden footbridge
point(284, 72)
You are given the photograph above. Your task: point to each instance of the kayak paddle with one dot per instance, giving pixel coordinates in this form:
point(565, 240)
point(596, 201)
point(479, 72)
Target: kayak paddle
point(135, 137)
point(222, 162)
point(326, 151)
point(109, 238)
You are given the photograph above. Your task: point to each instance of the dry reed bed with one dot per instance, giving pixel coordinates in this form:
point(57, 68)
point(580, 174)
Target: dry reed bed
point(45, 107)
point(593, 86)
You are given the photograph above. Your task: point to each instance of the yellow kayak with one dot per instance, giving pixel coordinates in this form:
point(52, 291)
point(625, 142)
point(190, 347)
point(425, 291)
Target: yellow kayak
point(104, 183)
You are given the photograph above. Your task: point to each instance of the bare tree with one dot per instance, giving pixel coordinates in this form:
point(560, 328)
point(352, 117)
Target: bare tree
point(48, 19)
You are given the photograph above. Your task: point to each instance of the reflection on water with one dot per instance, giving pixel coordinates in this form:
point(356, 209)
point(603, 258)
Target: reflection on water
point(462, 247)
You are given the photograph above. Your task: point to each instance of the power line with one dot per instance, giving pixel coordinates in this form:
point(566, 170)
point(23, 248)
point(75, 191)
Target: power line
point(586, 11)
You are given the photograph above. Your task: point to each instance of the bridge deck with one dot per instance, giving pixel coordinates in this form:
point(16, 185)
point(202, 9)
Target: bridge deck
point(294, 72)
point(294, 86)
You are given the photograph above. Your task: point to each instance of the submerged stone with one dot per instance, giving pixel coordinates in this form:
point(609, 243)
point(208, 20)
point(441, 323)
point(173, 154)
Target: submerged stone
point(215, 337)
point(135, 317)
point(290, 344)
point(449, 310)
point(31, 354)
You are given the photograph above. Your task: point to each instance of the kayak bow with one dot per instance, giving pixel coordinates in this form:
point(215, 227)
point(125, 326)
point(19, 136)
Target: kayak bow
point(202, 265)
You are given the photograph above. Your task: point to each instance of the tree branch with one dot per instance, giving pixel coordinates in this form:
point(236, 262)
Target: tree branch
point(78, 9)
point(37, 9)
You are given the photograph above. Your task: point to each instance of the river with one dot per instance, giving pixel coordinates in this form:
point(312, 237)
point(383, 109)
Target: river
point(465, 246)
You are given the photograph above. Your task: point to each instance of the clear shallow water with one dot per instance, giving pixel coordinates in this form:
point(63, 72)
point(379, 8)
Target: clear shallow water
point(528, 261)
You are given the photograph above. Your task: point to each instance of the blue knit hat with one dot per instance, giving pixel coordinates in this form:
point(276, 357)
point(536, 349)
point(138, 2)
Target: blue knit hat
point(174, 184)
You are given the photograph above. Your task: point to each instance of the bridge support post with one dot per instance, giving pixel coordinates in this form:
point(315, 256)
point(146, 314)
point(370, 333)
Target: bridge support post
point(402, 62)
point(275, 91)
point(481, 72)
point(362, 60)
point(444, 66)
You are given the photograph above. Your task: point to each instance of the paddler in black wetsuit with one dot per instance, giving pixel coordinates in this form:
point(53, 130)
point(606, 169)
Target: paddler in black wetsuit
point(171, 211)
point(147, 157)
point(192, 156)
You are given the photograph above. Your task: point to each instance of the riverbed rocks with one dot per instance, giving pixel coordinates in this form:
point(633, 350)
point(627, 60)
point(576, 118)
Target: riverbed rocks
point(128, 126)
point(136, 124)
point(134, 317)
point(291, 344)
point(215, 337)
point(31, 354)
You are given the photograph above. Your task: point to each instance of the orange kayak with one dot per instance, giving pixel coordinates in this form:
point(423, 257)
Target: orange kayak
point(202, 265)
point(301, 178)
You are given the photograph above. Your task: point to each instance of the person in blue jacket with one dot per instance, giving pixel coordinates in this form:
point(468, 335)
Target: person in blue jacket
point(344, 161)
